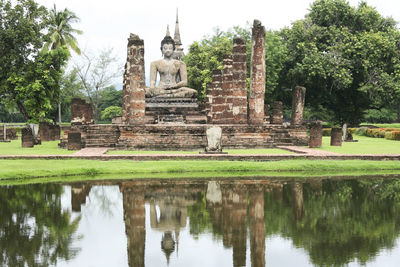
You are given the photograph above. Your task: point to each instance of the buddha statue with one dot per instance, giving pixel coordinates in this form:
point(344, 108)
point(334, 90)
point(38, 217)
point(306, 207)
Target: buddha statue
point(173, 75)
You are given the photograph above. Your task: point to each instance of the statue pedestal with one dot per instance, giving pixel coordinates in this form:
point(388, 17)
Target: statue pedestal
point(174, 110)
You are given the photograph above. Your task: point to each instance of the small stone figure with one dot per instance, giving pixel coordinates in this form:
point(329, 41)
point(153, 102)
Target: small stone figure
point(214, 138)
point(173, 75)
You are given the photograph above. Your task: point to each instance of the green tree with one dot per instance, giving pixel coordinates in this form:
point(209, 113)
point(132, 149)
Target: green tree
point(29, 77)
point(346, 57)
point(208, 54)
point(108, 113)
point(61, 32)
point(110, 96)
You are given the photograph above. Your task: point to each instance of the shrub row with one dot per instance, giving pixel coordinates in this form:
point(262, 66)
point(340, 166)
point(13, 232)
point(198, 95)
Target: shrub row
point(388, 133)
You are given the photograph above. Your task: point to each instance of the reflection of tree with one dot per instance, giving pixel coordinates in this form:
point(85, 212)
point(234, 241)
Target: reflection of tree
point(348, 220)
point(34, 230)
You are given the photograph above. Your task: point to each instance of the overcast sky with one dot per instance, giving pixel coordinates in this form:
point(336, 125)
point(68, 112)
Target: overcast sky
point(108, 23)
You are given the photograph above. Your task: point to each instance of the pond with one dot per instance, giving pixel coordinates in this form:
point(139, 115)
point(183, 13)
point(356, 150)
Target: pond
point(202, 222)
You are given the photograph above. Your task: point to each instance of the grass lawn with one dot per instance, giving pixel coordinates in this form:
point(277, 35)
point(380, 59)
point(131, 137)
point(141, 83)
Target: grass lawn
point(365, 145)
point(25, 169)
point(46, 148)
point(269, 151)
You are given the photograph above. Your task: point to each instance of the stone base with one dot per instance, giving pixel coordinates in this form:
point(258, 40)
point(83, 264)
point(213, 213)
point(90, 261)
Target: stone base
point(187, 136)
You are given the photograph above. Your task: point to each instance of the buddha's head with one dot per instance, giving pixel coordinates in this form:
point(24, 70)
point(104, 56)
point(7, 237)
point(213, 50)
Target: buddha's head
point(167, 46)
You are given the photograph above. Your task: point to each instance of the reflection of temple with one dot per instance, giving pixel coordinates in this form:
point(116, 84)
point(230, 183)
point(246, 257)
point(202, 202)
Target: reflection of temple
point(227, 203)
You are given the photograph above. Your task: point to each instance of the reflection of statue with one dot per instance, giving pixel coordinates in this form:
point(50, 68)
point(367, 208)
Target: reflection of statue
point(173, 75)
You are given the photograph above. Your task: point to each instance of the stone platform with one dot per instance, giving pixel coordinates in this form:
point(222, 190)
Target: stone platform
point(177, 136)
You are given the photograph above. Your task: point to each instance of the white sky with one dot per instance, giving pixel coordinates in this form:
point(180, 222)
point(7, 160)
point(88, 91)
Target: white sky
point(109, 23)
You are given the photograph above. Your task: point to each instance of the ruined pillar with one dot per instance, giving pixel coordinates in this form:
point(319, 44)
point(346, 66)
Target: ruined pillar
point(49, 132)
point(277, 113)
point(27, 137)
point(135, 227)
point(4, 132)
point(133, 95)
point(257, 228)
point(299, 94)
point(239, 88)
point(227, 210)
point(74, 141)
point(79, 192)
point(315, 134)
point(336, 136)
point(257, 75)
point(81, 112)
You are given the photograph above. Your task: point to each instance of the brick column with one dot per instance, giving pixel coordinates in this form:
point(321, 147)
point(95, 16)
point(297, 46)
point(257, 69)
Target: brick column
point(277, 113)
point(227, 78)
point(133, 96)
point(27, 138)
point(215, 97)
point(257, 75)
point(315, 134)
point(239, 88)
point(299, 94)
point(336, 136)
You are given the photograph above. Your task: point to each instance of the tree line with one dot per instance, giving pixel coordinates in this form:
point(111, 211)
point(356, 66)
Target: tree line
point(347, 57)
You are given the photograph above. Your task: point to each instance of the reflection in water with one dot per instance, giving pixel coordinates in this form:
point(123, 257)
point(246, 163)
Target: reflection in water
point(333, 222)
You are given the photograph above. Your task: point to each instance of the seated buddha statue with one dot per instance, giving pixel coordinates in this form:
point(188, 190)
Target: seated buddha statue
point(173, 75)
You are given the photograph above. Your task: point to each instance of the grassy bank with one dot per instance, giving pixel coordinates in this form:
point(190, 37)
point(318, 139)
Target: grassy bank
point(365, 145)
point(25, 169)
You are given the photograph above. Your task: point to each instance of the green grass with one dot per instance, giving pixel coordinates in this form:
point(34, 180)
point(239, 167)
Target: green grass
point(365, 145)
point(26, 169)
point(268, 151)
point(46, 148)
point(383, 125)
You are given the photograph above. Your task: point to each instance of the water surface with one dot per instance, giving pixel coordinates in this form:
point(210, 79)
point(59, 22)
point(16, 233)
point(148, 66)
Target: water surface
point(202, 222)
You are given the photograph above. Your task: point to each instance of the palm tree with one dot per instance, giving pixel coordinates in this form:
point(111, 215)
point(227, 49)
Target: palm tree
point(61, 33)
point(60, 30)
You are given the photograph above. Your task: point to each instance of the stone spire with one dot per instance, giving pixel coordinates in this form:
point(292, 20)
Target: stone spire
point(167, 33)
point(177, 35)
point(178, 53)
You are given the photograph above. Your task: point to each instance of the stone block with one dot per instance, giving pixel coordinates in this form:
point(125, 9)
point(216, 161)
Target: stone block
point(74, 141)
point(49, 132)
point(336, 136)
point(27, 137)
point(277, 113)
point(315, 134)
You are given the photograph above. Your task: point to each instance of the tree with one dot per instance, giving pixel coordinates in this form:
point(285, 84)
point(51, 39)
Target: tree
point(96, 73)
point(110, 112)
point(110, 96)
point(71, 87)
point(348, 59)
point(61, 32)
point(208, 54)
point(29, 77)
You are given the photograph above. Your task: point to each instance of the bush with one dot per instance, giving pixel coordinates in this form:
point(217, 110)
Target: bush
point(362, 131)
point(392, 135)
